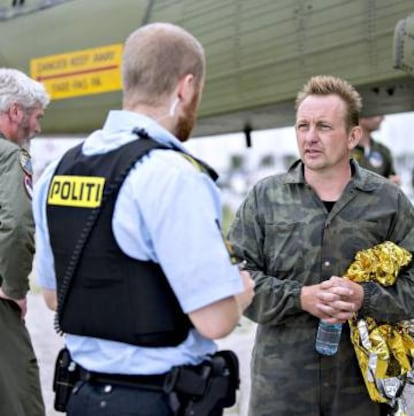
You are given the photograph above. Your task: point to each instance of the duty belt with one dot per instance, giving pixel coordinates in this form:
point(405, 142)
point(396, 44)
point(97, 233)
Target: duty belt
point(198, 390)
point(152, 382)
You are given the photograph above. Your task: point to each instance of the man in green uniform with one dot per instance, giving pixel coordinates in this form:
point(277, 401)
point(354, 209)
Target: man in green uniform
point(298, 232)
point(22, 103)
point(373, 155)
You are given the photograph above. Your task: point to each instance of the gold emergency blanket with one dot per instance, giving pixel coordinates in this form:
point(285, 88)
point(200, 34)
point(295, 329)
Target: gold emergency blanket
point(385, 352)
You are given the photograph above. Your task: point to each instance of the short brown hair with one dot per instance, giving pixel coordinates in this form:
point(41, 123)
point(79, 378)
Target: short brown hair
point(330, 85)
point(156, 56)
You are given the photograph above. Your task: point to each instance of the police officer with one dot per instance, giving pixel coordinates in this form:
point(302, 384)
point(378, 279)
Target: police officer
point(373, 155)
point(129, 242)
point(22, 103)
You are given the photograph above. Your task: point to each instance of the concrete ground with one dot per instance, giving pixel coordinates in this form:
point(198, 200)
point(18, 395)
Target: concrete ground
point(47, 343)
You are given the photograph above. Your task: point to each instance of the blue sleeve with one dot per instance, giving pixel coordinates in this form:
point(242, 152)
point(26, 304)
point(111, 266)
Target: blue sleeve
point(44, 264)
point(182, 212)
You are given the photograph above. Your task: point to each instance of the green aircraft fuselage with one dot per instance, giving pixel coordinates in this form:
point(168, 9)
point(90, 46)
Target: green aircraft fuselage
point(259, 54)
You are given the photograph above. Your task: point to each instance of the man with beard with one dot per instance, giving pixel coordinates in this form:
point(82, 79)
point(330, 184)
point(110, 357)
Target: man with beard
point(22, 103)
point(129, 242)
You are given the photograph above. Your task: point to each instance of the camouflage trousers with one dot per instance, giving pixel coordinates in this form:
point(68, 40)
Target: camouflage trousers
point(289, 378)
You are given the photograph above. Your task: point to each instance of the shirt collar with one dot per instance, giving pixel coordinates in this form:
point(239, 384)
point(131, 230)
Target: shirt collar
point(361, 178)
point(122, 121)
point(118, 130)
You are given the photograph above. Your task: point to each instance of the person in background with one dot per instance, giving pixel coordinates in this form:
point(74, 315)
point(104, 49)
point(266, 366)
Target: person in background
point(373, 155)
point(151, 284)
point(22, 104)
point(298, 232)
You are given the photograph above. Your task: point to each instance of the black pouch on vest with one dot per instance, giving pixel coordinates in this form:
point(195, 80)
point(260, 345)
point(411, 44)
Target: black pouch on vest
point(67, 374)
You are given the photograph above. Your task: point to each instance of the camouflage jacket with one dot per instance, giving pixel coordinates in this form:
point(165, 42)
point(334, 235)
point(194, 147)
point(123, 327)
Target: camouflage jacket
point(289, 240)
point(16, 220)
point(379, 159)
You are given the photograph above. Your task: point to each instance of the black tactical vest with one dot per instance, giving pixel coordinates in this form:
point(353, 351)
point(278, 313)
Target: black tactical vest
point(111, 295)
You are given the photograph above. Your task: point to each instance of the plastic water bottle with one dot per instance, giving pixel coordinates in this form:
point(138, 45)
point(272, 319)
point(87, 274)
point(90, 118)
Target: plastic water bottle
point(327, 338)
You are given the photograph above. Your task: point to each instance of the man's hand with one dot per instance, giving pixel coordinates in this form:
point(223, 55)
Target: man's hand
point(395, 179)
point(334, 300)
point(50, 297)
point(341, 298)
point(245, 298)
point(21, 303)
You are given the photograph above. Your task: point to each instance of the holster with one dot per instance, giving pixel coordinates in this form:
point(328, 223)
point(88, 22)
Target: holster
point(66, 375)
point(204, 390)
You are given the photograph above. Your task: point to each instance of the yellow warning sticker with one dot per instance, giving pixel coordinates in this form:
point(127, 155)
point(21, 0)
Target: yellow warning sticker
point(76, 191)
point(83, 72)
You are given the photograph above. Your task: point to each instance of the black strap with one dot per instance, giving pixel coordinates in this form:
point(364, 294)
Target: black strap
point(85, 233)
point(152, 381)
point(199, 164)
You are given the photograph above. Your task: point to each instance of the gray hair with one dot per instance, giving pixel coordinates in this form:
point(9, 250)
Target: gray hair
point(17, 87)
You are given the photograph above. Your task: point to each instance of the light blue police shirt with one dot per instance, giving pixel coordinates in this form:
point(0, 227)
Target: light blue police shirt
point(166, 212)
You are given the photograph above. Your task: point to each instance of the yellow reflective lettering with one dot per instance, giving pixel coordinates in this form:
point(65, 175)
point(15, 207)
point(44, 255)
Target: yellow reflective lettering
point(76, 191)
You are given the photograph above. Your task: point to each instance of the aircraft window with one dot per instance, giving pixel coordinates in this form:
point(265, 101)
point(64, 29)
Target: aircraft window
point(36, 3)
point(13, 8)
